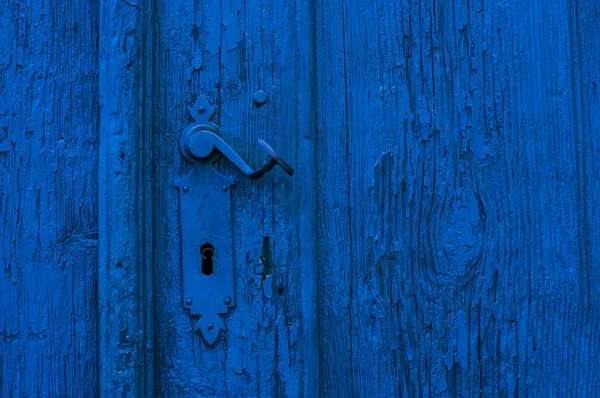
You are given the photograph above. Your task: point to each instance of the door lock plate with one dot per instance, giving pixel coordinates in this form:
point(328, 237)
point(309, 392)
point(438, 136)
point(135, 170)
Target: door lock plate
point(207, 248)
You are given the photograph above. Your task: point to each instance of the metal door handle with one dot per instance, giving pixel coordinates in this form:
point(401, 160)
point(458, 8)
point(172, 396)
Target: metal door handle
point(201, 141)
point(206, 222)
point(271, 161)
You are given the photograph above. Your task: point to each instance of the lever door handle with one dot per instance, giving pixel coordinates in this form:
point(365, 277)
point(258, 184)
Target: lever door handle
point(206, 221)
point(199, 142)
point(271, 161)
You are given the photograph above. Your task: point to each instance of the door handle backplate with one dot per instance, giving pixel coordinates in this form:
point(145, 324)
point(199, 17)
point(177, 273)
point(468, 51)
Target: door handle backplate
point(206, 221)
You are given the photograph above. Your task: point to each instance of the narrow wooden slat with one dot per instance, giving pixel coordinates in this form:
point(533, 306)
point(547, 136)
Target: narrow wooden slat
point(311, 266)
point(334, 211)
point(125, 213)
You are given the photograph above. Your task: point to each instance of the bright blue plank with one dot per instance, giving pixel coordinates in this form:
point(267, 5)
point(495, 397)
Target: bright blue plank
point(48, 199)
point(458, 158)
point(227, 50)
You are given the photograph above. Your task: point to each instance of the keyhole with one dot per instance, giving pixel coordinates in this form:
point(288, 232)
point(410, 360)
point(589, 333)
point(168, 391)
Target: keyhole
point(207, 250)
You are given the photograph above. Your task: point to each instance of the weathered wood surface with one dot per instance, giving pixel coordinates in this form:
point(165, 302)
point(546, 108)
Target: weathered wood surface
point(226, 50)
point(458, 183)
point(440, 236)
point(48, 199)
point(126, 344)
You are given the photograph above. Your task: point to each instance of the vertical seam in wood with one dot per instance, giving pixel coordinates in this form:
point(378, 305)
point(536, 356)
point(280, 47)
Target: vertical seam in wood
point(147, 293)
point(218, 99)
point(348, 185)
point(308, 136)
point(580, 154)
point(125, 294)
point(317, 198)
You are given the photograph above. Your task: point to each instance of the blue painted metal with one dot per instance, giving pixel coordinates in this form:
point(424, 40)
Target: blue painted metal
point(206, 219)
point(201, 143)
point(205, 209)
point(271, 161)
point(202, 111)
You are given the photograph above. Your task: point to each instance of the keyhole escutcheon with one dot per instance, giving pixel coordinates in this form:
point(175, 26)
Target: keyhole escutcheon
point(207, 251)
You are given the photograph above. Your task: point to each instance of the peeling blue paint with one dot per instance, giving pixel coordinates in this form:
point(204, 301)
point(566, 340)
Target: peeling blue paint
point(438, 239)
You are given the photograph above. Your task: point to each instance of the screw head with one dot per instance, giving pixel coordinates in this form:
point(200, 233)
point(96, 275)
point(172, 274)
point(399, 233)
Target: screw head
point(186, 188)
point(188, 301)
point(201, 109)
point(227, 300)
point(259, 97)
point(210, 326)
point(224, 188)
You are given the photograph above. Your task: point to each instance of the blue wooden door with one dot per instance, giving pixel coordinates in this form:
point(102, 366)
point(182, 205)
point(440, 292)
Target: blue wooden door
point(439, 237)
point(49, 199)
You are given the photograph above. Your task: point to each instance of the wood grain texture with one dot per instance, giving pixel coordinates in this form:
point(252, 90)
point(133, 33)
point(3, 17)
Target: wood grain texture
point(125, 213)
point(48, 199)
point(457, 211)
point(226, 50)
point(440, 236)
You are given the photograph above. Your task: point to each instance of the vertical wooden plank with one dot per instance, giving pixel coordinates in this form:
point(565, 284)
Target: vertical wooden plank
point(335, 240)
point(227, 50)
point(306, 248)
point(585, 75)
point(275, 47)
point(456, 206)
point(125, 211)
point(584, 26)
point(48, 198)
